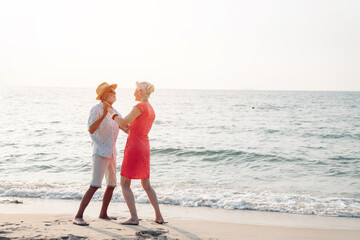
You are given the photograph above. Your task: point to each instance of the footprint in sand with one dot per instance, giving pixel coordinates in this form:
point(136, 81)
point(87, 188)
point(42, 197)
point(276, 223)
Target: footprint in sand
point(159, 234)
point(71, 237)
point(61, 221)
point(6, 224)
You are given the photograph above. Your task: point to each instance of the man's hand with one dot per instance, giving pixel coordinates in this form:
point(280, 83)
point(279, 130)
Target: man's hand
point(105, 106)
point(97, 123)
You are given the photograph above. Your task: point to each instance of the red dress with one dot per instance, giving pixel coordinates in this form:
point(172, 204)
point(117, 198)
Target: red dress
point(136, 162)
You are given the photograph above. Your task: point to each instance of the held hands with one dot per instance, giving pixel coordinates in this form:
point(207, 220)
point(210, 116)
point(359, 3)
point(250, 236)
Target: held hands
point(106, 106)
point(110, 110)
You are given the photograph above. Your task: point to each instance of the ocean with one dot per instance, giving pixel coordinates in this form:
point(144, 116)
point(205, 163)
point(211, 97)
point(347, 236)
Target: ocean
point(279, 151)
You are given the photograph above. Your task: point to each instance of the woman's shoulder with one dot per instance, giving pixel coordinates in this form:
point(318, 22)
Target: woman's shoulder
point(143, 106)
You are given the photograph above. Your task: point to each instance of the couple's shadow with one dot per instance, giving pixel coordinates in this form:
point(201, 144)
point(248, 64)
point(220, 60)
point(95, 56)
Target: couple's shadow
point(142, 231)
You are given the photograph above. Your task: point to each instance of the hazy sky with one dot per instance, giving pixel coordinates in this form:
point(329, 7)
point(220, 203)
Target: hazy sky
point(279, 45)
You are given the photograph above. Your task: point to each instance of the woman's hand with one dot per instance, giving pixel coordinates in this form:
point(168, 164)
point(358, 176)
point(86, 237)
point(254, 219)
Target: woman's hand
point(127, 129)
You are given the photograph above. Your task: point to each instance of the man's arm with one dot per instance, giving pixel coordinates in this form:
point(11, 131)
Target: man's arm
point(93, 127)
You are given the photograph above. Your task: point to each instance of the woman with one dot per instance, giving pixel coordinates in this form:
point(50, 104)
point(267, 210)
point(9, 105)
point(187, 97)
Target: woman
point(136, 162)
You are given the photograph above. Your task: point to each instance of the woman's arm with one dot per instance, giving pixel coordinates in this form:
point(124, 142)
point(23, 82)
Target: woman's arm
point(124, 122)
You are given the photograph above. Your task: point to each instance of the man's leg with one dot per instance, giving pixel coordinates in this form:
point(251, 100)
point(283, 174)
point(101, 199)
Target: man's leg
point(106, 201)
point(110, 175)
point(84, 202)
point(98, 171)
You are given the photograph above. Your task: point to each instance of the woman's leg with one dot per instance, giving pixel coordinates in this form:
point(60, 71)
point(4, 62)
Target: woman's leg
point(153, 199)
point(130, 201)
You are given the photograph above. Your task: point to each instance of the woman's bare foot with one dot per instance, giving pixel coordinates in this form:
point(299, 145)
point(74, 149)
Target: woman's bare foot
point(160, 220)
point(80, 222)
point(131, 221)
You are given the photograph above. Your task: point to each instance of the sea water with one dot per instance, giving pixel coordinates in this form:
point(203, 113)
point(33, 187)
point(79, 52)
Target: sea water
point(280, 151)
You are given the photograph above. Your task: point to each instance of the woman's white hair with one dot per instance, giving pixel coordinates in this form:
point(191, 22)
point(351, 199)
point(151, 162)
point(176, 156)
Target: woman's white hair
point(147, 87)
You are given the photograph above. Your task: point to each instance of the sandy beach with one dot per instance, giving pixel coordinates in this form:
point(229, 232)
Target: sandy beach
point(52, 219)
point(223, 119)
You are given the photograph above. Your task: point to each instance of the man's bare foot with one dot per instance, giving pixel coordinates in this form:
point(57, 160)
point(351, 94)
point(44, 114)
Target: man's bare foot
point(131, 222)
point(107, 217)
point(80, 222)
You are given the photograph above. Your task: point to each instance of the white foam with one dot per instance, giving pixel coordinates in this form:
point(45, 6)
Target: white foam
point(198, 197)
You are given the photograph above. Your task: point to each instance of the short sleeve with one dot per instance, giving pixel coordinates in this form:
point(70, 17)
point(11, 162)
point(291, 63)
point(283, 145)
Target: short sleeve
point(141, 106)
point(94, 115)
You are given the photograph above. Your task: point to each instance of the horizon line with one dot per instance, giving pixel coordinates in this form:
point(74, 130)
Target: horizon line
point(206, 89)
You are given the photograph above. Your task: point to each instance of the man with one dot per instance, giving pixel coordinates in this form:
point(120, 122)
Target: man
point(103, 132)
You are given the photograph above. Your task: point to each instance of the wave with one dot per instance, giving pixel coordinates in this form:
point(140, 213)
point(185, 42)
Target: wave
point(200, 197)
point(222, 155)
point(344, 135)
point(355, 136)
point(185, 152)
point(345, 159)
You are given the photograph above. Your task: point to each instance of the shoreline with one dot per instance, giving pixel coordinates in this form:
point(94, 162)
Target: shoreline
point(49, 218)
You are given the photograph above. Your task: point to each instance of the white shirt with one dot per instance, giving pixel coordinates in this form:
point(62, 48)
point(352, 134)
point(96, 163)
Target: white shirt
point(104, 138)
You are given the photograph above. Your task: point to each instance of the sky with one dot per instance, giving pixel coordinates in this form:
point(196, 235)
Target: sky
point(222, 44)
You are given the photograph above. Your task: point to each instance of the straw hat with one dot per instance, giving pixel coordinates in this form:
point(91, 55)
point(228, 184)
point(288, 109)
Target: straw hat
point(102, 88)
